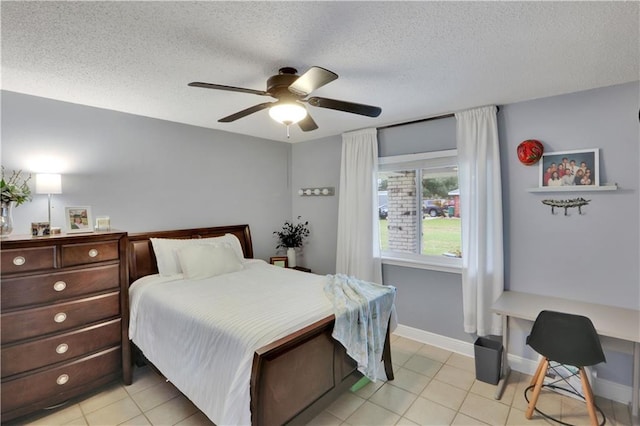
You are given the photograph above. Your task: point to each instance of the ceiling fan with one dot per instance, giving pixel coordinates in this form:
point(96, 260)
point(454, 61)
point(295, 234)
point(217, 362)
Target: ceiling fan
point(290, 90)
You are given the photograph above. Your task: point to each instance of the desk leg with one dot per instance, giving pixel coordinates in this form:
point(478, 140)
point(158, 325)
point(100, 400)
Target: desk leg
point(636, 382)
point(506, 370)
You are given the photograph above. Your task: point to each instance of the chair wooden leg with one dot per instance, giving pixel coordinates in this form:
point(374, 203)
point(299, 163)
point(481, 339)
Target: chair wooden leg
point(542, 370)
point(535, 376)
point(588, 396)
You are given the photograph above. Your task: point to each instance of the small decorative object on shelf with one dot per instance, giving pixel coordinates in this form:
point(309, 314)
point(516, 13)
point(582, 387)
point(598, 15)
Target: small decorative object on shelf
point(103, 223)
point(292, 236)
point(566, 204)
point(530, 151)
point(13, 192)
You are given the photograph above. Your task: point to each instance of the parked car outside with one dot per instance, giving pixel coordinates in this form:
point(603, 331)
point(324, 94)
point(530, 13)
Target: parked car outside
point(431, 208)
point(383, 212)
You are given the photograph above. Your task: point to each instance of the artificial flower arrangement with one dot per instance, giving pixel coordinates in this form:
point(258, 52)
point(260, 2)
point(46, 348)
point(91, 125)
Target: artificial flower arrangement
point(15, 188)
point(292, 235)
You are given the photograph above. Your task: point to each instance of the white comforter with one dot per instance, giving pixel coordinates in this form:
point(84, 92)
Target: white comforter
point(172, 320)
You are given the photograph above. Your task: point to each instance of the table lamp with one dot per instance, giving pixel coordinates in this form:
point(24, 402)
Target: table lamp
point(49, 183)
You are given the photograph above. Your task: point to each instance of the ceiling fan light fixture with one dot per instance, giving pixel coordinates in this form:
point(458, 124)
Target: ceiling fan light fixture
point(287, 113)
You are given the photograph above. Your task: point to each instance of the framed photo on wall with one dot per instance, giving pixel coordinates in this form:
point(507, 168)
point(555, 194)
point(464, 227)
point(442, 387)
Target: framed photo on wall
point(78, 219)
point(570, 168)
point(281, 261)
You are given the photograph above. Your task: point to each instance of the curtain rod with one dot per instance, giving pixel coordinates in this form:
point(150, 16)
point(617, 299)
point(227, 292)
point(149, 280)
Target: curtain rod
point(416, 121)
point(437, 117)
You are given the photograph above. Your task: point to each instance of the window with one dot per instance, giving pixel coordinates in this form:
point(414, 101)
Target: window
point(419, 210)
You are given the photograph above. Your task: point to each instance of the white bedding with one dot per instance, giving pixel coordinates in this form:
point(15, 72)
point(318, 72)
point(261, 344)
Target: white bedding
point(249, 308)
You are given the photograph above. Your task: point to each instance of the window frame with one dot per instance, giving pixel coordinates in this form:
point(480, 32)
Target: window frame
point(418, 161)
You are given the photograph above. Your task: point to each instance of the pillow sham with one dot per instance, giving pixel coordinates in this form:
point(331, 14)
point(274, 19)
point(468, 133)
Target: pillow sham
point(167, 259)
point(207, 260)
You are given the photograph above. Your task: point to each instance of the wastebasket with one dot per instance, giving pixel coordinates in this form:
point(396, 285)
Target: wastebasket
point(488, 357)
point(452, 211)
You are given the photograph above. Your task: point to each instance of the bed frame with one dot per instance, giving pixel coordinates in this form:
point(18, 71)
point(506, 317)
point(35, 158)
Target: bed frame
point(292, 379)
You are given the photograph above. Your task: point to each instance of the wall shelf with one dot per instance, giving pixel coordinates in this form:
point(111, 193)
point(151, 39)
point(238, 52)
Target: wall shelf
point(578, 188)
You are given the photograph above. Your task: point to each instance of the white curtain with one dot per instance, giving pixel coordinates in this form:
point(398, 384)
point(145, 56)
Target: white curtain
point(358, 250)
point(481, 214)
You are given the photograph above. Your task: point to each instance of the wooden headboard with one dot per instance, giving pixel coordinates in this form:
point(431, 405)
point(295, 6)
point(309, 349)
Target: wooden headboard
point(142, 259)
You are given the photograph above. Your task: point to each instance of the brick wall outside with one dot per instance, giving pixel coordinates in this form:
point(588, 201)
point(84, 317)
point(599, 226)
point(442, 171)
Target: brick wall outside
point(402, 206)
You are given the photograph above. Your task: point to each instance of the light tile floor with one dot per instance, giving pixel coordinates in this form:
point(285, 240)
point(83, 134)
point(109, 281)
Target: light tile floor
point(432, 386)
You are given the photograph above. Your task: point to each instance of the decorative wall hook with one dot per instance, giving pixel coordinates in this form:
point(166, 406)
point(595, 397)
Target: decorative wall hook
point(566, 204)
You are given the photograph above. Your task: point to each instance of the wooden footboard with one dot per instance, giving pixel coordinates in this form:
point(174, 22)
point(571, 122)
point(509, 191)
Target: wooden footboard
point(295, 378)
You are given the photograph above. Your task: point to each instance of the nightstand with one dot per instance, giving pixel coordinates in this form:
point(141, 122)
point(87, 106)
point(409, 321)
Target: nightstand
point(301, 268)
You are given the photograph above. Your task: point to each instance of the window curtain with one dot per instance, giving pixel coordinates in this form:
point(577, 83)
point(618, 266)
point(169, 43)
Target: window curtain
point(481, 213)
point(358, 250)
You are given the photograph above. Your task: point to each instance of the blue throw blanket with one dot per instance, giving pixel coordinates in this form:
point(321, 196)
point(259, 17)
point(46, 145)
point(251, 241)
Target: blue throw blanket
point(362, 311)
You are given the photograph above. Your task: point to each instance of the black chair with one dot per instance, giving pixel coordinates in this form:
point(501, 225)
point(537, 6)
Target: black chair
point(566, 339)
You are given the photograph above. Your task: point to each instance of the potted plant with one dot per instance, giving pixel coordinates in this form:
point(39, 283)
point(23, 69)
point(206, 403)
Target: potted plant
point(292, 236)
point(13, 192)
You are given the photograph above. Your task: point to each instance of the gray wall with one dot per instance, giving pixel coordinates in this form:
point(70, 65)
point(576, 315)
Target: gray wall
point(602, 266)
point(317, 164)
point(150, 174)
point(147, 174)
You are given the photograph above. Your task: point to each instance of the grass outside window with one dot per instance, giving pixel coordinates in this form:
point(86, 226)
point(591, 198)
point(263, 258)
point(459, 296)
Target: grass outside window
point(439, 235)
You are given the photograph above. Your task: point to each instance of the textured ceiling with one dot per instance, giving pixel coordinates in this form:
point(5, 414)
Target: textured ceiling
point(413, 59)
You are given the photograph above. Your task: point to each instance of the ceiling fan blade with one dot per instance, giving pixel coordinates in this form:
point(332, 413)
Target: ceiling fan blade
point(245, 112)
point(368, 110)
point(311, 80)
point(307, 124)
point(228, 88)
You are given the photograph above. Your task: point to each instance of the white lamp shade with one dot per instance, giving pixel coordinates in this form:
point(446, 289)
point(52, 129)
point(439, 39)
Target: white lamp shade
point(287, 113)
point(48, 183)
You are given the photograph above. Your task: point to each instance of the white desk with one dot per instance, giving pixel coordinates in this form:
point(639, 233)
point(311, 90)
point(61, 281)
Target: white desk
point(609, 321)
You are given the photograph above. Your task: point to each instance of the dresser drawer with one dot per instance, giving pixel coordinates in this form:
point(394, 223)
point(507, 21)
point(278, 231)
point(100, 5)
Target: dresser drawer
point(39, 289)
point(28, 259)
point(80, 254)
point(35, 387)
point(58, 317)
point(35, 354)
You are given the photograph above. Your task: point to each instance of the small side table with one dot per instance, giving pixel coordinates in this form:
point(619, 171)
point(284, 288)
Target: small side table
point(301, 268)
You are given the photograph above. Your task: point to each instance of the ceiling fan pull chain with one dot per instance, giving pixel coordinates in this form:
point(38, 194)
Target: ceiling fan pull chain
point(287, 131)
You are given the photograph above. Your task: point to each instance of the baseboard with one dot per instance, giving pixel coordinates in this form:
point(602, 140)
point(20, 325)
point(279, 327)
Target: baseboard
point(604, 388)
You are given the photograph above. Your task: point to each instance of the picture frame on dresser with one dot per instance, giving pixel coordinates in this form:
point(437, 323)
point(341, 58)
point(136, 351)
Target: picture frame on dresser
point(584, 163)
point(78, 219)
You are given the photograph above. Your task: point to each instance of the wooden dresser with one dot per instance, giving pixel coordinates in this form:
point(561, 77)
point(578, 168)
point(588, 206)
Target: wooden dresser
point(63, 328)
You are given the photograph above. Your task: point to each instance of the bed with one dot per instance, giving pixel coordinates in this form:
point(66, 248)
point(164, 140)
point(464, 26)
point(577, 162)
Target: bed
point(292, 376)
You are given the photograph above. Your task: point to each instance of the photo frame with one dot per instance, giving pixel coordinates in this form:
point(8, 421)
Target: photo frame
point(584, 165)
point(281, 261)
point(40, 229)
point(78, 219)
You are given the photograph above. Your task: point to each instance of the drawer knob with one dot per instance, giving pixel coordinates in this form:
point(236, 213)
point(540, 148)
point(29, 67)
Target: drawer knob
point(60, 317)
point(62, 348)
point(62, 379)
point(93, 253)
point(19, 260)
point(59, 285)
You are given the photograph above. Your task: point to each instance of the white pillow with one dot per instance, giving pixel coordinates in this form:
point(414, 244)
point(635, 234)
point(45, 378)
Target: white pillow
point(207, 260)
point(167, 259)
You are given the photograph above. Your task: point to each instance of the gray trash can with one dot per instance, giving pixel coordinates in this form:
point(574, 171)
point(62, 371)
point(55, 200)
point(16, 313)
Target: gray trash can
point(488, 357)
